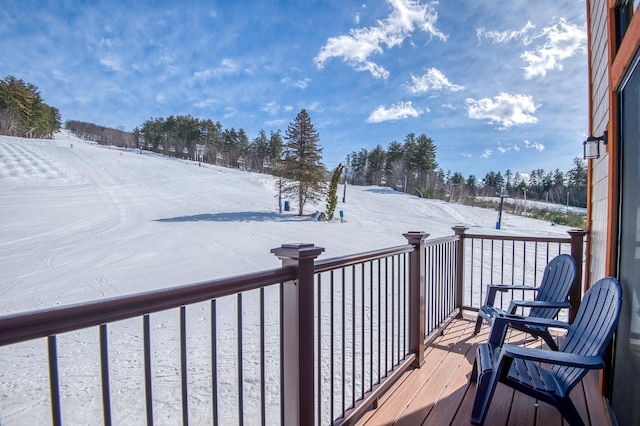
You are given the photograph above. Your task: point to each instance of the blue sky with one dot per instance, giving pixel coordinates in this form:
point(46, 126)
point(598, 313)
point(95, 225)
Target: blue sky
point(497, 85)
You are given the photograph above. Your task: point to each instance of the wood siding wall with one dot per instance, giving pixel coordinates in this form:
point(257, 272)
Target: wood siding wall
point(599, 107)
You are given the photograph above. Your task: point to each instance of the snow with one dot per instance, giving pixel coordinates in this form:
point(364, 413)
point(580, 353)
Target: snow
point(81, 222)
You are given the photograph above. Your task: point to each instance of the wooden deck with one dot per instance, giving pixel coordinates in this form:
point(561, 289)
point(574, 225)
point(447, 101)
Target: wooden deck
point(439, 393)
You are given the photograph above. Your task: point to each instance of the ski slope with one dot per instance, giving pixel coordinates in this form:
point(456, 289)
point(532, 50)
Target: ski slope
point(87, 222)
point(82, 222)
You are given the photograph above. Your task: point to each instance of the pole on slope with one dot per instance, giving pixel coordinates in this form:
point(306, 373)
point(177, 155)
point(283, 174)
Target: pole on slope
point(500, 212)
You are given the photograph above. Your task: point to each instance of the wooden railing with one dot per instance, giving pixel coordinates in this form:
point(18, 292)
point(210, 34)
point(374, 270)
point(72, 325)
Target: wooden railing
point(330, 335)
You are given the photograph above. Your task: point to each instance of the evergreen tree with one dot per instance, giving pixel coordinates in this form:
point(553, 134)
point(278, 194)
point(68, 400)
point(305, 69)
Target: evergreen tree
point(375, 165)
point(395, 165)
point(332, 199)
point(23, 112)
point(258, 149)
point(302, 167)
point(275, 146)
point(472, 184)
point(577, 178)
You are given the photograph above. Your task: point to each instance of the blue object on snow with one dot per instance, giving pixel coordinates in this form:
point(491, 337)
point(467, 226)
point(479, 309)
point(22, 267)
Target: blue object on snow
point(286, 206)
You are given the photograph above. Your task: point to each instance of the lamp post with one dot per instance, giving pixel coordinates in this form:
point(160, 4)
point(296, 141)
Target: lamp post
point(344, 193)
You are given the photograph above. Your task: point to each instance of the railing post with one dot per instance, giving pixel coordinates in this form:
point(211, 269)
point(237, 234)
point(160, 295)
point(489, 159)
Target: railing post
point(298, 336)
point(417, 302)
point(459, 230)
point(577, 252)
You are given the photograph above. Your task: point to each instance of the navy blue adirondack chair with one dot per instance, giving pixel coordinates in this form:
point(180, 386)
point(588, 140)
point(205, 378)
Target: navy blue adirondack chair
point(527, 369)
point(551, 296)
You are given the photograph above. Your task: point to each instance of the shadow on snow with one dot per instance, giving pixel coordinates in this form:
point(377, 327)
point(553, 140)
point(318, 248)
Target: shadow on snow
point(235, 217)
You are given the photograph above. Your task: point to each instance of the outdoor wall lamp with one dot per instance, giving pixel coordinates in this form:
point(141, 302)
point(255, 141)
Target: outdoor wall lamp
point(592, 146)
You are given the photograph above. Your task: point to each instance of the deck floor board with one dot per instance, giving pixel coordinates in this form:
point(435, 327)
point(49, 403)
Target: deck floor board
point(439, 393)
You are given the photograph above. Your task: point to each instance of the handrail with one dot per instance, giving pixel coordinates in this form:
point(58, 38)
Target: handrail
point(418, 290)
point(327, 265)
point(519, 238)
point(25, 326)
point(436, 241)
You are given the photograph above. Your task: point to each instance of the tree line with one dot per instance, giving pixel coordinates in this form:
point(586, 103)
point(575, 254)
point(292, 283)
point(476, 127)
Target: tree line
point(295, 158)
point(412, 167)
point(102, 135)
point(202, 139)
point(24, 113)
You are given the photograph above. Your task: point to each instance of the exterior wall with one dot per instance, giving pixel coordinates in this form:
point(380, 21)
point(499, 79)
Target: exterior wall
point(599, 173)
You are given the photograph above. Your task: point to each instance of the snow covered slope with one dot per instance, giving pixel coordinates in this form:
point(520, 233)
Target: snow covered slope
point(82, 222)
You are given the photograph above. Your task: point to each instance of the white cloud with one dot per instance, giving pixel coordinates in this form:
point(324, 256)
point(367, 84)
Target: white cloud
point(562, 41)
point(166, 59)
point(515, 147)
point(398, 111)
point(275, 123)
point(502, 149)
point(486, 153)
point(534, 145)
point(271, 107)
point(230, 112)
point(111, 62)
point(505, 36)
point(60, 76)
point(106, 42)
point(314, 107)
point(204, 103)
point(466, 155)
point(356, 19)
point(227, 66)
point(302, 84)
point(433, 79)
point(505, 109)
point(356, 47)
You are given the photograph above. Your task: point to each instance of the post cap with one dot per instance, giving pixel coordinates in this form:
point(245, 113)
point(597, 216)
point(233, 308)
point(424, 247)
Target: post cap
point(298, 251)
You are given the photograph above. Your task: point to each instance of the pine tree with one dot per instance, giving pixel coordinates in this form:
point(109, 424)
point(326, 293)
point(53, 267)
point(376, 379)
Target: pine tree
point(302, 168)
point(332, 199)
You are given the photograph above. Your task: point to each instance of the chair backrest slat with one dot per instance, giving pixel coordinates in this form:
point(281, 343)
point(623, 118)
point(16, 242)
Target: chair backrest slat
point(559, 275)
point(592, 329)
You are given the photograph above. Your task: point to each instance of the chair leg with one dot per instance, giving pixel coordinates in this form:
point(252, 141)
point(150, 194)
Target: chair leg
point(478, 325)
point(569, 412)
point(474, 371)
point(484, 392)
point(548, 338)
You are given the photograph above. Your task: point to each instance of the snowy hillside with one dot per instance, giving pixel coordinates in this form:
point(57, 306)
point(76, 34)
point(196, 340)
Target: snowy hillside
point(82, 222)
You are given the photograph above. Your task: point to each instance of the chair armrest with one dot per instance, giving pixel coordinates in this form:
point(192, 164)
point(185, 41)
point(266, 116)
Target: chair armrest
point(507, 287)
point(540, 322)
point(540, 304)
point(501, 324)
point(515, 304)
point(492, 289)
point(552, 357)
